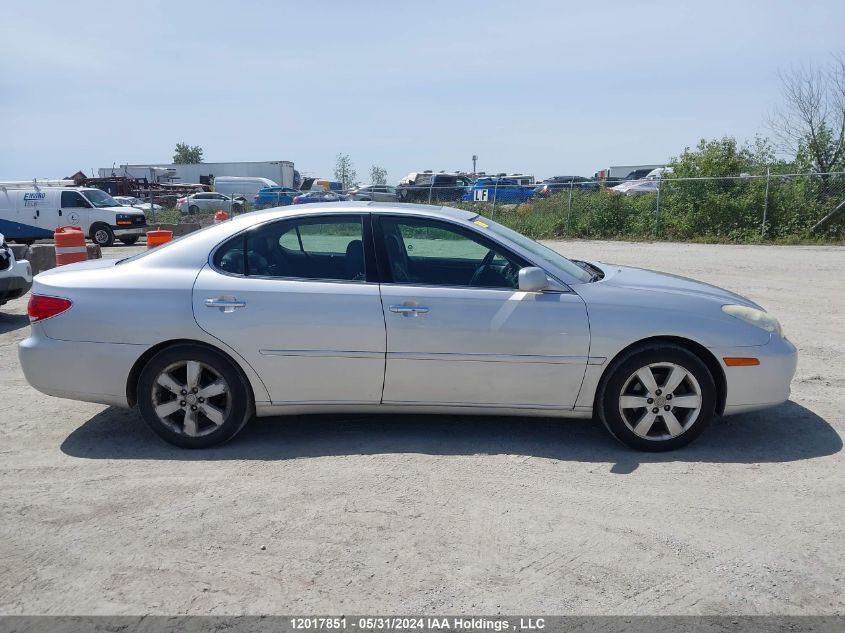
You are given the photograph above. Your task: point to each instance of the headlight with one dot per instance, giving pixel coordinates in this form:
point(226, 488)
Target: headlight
point(761, 319)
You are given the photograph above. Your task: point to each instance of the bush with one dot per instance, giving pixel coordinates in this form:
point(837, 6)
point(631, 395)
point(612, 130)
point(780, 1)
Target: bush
point(712, 210)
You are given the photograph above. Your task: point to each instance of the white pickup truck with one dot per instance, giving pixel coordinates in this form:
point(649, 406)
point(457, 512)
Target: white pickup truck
point(15, 276)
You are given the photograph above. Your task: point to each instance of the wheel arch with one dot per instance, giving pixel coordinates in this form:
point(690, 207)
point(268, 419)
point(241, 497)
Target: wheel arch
point(138, 366)
point(704, 354)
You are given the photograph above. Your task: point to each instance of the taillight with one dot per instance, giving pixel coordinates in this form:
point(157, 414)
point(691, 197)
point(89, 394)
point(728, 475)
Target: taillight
point(41, 307)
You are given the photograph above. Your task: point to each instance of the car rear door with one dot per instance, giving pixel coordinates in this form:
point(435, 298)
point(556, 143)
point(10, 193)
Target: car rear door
point(459, 333)
point(298, 298)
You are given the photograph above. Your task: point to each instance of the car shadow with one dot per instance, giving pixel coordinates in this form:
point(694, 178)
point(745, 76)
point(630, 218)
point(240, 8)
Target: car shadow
point(786, 433)
point(12, 322)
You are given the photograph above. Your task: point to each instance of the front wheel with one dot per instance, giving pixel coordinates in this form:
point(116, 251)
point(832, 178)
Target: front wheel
point(657, 398)
point(194, 397)
point(102, 235)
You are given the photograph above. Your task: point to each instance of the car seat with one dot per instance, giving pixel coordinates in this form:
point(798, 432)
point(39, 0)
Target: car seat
point(355, 260)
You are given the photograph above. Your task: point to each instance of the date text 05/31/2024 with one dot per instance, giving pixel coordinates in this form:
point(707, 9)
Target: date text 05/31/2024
point(433, 623)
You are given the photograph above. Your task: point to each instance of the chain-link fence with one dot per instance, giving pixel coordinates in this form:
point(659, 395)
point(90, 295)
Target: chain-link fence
point(747, 207)
point(731, 208)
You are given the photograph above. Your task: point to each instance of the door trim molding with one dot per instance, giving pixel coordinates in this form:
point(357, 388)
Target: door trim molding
point(322, 353)
point(489, 358)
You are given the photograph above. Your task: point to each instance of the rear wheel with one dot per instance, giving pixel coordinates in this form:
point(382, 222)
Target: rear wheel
point(194, 397)
point(657, 398)
point(102, 234)
point(193, 209)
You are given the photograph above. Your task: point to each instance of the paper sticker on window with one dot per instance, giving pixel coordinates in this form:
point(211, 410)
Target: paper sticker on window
point(481, 224)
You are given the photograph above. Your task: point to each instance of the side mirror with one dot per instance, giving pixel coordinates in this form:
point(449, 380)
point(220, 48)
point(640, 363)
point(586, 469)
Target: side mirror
point(532, 279)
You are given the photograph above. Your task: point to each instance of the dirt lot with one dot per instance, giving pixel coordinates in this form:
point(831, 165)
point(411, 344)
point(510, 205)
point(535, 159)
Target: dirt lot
point(444, 515)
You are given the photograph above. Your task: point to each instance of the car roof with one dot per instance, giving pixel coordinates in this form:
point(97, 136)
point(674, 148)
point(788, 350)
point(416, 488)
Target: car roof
point(358, 207)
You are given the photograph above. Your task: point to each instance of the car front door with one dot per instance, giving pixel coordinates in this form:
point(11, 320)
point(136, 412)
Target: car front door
point(74, 211)
point(299, 301)
point(458, 330)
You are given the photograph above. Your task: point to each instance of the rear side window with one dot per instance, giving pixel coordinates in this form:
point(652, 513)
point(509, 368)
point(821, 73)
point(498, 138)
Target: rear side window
point(324, 248)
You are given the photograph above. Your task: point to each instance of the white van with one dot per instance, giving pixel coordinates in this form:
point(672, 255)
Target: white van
point(237, 186)
point(32, 212)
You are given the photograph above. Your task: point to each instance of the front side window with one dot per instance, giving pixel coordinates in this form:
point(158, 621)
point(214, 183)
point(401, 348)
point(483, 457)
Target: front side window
point(430, 252)
point(329, 248)
point(100, 199)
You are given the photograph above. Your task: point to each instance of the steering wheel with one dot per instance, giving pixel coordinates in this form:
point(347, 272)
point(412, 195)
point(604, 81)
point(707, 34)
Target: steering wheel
point(482, 267)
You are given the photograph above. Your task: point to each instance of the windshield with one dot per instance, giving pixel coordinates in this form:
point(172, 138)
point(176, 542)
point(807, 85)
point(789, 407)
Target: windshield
point(100, 199)
point(543, 253)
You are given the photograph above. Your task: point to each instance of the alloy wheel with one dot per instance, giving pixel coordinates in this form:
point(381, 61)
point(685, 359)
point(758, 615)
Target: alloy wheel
point(191, 398)
point(660, 401)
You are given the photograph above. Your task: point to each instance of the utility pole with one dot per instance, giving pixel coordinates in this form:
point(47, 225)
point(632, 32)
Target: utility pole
point(474, 160)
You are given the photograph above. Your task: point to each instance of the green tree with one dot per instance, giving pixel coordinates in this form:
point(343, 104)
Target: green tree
point(725, 157)
point(344, 171)
point(378, 175)
point(187, 155)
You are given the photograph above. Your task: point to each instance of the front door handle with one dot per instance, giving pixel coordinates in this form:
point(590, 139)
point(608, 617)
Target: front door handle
point(408, 311)
point(225, 305)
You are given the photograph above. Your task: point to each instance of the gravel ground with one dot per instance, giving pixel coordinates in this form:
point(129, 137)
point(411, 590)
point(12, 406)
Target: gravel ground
point(447, 515)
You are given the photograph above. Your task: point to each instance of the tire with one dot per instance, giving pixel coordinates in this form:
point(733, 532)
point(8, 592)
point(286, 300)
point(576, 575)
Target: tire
point(193, 209)
point(229, 407)
point(129, 241)
point(659, 424)
point(237, 208)
point(102, 235)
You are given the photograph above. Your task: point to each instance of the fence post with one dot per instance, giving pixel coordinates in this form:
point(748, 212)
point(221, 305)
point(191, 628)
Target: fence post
point(152, 205)
point(657, 207)
point(765, 204)
point(569, 210)
point(495, 191)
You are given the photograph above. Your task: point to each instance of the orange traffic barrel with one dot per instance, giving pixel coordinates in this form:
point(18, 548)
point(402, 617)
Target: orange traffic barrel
point(220, 216)
point(158, 237)
point(70, 245)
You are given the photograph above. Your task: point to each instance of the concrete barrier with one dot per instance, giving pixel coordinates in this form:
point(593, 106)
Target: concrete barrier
point(94, 251)
point(21, 251)
point(43, 256)
point(178, 230)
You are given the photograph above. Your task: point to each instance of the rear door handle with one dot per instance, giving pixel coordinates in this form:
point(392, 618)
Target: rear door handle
point(225, 305)
point(408, 311)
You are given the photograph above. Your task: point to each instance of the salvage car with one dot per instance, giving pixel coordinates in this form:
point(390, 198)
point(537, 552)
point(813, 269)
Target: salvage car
point(210, 201)
point(372, 307)
point(504, 190)
point(319, 195)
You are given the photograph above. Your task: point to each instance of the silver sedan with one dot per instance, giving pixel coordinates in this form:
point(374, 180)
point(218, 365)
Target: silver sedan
point(369, 307)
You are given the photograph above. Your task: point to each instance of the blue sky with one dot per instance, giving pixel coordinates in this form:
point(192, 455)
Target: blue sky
point(548, 88)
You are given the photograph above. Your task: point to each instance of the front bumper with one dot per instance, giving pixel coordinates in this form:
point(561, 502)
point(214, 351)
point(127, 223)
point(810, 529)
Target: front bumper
point(759, 386)
point(130, 231)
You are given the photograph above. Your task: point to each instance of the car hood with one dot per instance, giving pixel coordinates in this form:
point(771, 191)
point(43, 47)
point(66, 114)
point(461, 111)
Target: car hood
point(641, 279)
